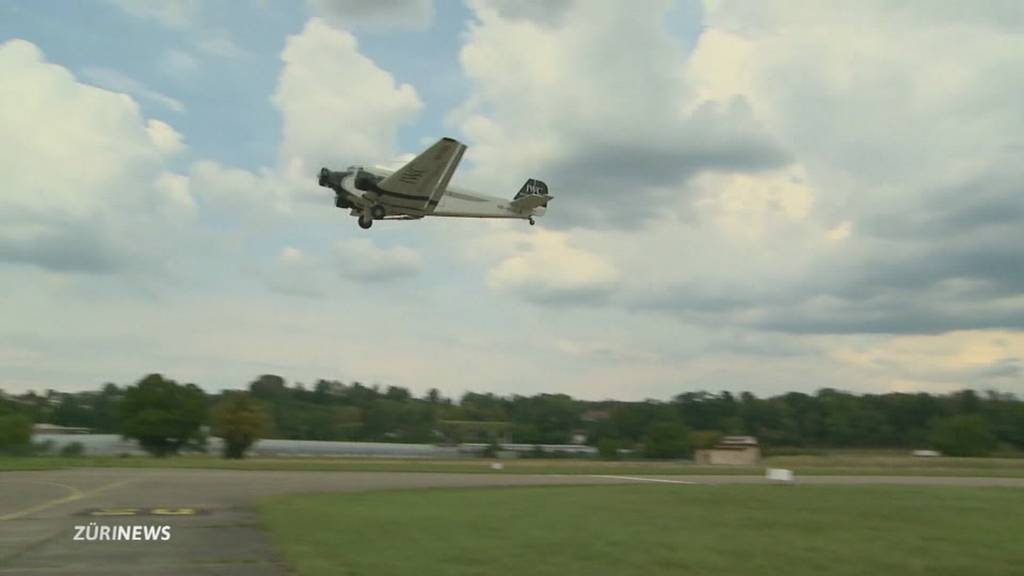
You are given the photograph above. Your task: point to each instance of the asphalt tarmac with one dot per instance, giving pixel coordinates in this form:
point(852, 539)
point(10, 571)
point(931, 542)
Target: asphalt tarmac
point(213, 527)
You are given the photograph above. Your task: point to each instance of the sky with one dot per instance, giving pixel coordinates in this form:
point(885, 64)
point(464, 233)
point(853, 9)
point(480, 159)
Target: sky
point(773, 196)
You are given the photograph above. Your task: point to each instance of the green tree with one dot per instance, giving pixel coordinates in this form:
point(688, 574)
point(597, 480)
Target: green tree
point(666, 439)
point(162, 415)
point(15, 434)
point(964, 435)
point(608, 448)
point(702, 439)
point(238, 420)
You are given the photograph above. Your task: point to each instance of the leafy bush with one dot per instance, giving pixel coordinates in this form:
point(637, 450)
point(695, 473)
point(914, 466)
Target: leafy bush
point(72, 450)
point(667, 439)
point(15, 434)
point(702, 439)
point(608, 448)
point(238, 420)
point(964, 435)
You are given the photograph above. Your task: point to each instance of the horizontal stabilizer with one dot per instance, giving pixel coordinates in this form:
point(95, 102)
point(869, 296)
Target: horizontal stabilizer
point(527, 203)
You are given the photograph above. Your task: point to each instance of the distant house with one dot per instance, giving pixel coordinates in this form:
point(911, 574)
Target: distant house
point(731, 451)
point(595, 416)
point(43, 428)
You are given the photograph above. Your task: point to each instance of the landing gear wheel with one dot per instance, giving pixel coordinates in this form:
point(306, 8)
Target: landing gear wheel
point(531, 221)
point(365, 222)
point(377, 212)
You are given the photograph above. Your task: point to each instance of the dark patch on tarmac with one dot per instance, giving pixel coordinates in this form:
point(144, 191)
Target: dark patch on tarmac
point(40, 509)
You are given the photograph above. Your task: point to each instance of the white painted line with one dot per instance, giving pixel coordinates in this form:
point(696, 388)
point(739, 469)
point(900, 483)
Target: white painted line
point(640, 479)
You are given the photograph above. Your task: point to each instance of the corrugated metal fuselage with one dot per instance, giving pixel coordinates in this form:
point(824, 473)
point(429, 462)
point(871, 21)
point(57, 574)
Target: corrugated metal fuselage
point(456, 202)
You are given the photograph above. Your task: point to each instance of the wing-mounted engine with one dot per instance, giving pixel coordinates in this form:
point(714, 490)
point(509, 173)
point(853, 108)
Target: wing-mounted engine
point(365, 180)
point(342, 182)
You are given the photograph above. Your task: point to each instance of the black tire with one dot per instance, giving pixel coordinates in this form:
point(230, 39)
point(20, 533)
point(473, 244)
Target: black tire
point(365, 223)
point(377, 212)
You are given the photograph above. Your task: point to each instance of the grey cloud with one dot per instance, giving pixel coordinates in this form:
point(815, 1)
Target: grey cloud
point(620, 182)
point(940, 288)
point(1011, 368)
point(930, 296)
point(904, 314)
point(991, 198)
point(281, 283)
point(561, 297)
point(944, 257)
point(545, 12)
point(359, 260)
point(70, 247)
point(375, 13)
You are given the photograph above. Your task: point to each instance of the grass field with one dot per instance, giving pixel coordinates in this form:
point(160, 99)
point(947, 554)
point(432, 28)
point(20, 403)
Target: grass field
point(654, 529)
point(465, 465)
point(841, 464)
point(815, 465)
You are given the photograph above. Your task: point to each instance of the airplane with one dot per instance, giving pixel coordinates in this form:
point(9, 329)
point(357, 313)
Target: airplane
point(420, 188)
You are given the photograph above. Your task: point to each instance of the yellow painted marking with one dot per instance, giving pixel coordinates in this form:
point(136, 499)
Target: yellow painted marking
point(76, 494)
point(173, 511)
point(115, 512)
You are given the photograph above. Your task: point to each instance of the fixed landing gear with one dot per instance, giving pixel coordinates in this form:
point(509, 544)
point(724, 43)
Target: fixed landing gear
point(531, 221)
point(366, 219)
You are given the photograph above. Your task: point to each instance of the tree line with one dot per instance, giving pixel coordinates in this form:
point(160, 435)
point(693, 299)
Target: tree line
point(166, 416)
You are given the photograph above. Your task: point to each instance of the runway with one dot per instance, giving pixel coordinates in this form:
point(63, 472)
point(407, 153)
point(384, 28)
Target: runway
point(213, 524)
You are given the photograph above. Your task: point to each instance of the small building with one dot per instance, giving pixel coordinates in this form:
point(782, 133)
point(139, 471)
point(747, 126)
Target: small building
point(731, 451)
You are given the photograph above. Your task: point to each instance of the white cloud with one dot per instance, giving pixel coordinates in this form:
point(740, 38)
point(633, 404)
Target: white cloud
point(895, 177)
point(337, 105)
point(79, 165)
point(360, 260)
point(218, 42)
point(176, 14)
point(178, 64)
point(175, 191)
point(603, 351)
point(761, 213)
point(241, 194)
point(118, 82)
point(295, 273)
point(570, 102)
point(348, 14)
point(164, 137)
point(544, 267)
point(184, 16)
point(901, 125)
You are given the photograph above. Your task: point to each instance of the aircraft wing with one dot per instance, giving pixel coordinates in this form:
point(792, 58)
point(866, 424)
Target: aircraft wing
point(422, 181)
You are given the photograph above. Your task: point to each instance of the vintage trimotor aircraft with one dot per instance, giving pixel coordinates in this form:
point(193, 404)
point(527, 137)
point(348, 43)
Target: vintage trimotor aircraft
point(420, 188)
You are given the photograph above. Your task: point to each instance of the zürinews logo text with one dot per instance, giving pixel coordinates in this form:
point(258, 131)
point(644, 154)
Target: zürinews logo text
point(93, 532)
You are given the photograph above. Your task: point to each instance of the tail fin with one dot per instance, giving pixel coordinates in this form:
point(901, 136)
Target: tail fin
point(532, 188)
point(532, 196)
